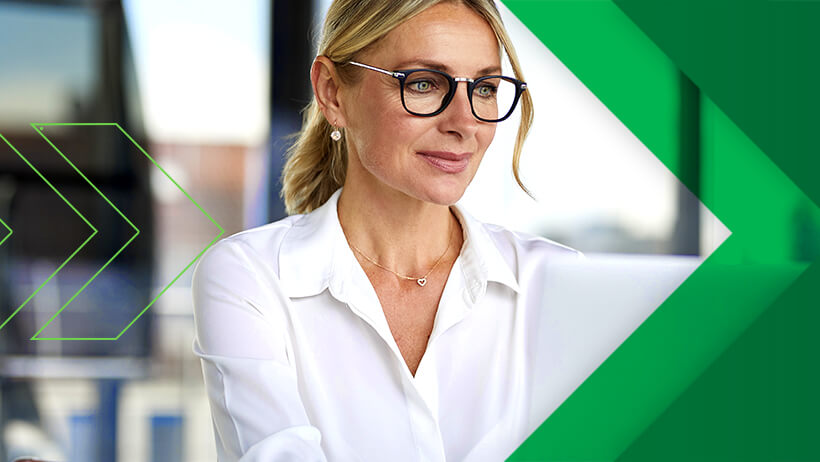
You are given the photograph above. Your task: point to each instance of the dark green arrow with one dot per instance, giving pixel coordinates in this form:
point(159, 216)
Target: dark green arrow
point(636, 80)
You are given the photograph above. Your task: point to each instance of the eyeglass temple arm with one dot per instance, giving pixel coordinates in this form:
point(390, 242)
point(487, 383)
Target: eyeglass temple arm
point(383, 71)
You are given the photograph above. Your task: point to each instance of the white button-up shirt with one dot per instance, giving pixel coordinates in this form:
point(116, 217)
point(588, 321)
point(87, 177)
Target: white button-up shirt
point(300, 364)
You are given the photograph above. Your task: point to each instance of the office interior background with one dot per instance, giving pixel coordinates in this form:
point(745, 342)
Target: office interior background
point(210, 90)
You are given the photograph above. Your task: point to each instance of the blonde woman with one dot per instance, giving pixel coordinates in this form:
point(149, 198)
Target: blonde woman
point(380, 322)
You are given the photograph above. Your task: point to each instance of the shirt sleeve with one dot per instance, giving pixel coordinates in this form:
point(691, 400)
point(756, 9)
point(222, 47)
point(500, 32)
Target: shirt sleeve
point(241, 339)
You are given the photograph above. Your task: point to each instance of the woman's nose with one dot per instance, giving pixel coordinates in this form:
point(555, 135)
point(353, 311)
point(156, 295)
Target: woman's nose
point(459, 113)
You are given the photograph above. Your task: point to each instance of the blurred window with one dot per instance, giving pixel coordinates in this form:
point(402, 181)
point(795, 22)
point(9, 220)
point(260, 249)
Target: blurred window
point(49, 61)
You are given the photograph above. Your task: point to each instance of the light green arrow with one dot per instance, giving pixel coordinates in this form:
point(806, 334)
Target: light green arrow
point(8, 228)
point(93, 232)
point(39, 129)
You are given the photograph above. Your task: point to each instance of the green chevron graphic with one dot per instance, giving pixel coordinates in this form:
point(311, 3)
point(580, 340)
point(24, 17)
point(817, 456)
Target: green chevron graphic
point(54, 273)
point(7, 235)
point(688, 384)
point(40, 127)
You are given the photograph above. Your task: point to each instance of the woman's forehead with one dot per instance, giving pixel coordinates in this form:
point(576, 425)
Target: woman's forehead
point(447, 36)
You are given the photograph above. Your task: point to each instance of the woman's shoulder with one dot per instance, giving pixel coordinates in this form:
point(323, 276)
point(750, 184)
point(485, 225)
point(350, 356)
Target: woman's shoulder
point(258, 245)
point(524, 246)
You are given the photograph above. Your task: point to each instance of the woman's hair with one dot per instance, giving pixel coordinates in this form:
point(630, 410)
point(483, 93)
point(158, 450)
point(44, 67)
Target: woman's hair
point(316, 165)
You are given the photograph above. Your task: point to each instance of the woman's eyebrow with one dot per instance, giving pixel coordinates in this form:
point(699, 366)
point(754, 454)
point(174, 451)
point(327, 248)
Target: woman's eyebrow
point(490, 70)
point(421, 63)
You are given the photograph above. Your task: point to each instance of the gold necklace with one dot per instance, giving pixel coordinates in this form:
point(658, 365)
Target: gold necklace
point(422, 280)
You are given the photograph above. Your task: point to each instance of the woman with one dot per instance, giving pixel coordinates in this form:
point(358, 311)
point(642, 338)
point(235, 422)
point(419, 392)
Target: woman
point(380, 321)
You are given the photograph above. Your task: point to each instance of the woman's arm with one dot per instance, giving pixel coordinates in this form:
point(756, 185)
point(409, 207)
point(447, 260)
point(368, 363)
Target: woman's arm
point(241, 339)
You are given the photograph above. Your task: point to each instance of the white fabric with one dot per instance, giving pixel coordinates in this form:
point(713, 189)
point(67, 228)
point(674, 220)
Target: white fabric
point(300, 364)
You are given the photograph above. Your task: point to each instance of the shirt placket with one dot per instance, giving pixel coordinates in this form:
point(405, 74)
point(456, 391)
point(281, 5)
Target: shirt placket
point(423, 420)
point(422, 391)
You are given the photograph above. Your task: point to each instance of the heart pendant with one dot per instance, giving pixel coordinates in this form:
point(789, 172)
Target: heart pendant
point(422, 281)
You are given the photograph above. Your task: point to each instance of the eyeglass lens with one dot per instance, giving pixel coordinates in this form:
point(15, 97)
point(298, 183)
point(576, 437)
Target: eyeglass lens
point(425, 92)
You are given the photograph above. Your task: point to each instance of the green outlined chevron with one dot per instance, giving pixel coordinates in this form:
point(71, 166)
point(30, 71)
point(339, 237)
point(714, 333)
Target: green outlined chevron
point(628, 408)
point(10, 232)
point(39, 127)
point(80, 247)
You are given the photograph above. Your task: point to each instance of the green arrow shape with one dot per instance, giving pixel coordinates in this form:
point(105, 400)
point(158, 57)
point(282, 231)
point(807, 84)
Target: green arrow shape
point(39, 129)
point(8, 228)
point(631, 76)
point(54, 273)
point(758, 400)
point(198, 255)
point(215, 239)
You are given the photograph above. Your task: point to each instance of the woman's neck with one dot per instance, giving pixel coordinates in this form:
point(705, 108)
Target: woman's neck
point(400, 232)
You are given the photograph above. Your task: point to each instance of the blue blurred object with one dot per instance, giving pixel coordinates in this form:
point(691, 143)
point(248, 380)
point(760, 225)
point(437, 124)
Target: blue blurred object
point(83, 429)
point(166, 438)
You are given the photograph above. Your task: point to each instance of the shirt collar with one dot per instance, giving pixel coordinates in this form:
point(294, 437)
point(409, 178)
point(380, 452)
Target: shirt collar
point(482, 260)
point(314, 255)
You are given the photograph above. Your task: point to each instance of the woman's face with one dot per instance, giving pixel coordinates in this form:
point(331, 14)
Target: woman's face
point(429, 158)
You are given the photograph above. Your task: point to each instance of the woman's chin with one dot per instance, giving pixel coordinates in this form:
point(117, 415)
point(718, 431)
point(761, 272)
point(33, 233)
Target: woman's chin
point(444, 194)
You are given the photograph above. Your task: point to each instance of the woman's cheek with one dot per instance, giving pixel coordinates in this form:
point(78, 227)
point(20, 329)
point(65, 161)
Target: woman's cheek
point(487, 137)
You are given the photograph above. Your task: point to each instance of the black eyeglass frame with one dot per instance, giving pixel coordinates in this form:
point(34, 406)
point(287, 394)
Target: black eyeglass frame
point(402, 75)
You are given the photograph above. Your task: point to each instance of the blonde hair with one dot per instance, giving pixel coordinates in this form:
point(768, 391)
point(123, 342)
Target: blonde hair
point(316, 165)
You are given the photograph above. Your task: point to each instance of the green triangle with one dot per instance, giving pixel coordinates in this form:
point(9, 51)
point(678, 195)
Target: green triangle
point(758, 61)
point(758, 401)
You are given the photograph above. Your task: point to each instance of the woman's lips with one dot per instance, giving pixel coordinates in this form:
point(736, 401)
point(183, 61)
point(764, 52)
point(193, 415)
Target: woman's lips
point(447, 162)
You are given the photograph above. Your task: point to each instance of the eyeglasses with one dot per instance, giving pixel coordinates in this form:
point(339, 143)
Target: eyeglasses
point(427, 92)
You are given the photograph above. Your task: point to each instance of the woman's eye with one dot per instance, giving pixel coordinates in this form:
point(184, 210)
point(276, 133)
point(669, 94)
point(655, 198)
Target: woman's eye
point(421, 86)
point(485, 91)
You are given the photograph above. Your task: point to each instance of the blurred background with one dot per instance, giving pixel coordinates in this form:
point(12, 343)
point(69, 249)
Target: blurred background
point(209, 90)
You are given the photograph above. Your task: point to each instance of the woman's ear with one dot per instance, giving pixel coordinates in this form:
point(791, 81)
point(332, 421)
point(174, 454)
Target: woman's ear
point(326, 88)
